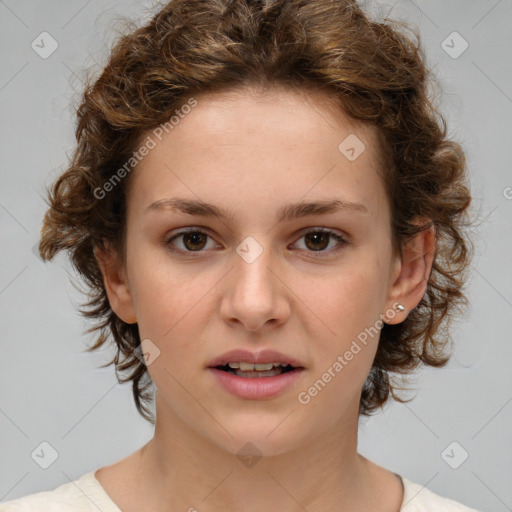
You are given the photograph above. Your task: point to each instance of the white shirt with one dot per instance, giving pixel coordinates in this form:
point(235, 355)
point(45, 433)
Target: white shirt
point(87, 495)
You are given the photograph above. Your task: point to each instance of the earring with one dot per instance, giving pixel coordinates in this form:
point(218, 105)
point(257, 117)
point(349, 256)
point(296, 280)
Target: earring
point(399, 307)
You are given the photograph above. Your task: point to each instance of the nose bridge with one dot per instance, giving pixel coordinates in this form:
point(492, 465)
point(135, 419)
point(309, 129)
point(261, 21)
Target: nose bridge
point(253, 264)
point(255, 294)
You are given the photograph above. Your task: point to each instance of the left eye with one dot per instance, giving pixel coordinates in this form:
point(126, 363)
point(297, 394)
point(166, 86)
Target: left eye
point(317, 240)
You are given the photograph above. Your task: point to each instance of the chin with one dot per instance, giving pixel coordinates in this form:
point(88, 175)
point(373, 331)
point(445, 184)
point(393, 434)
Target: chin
point(259, 437)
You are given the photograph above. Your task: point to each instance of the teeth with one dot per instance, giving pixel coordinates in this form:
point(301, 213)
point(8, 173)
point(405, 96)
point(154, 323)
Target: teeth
point(248, 367)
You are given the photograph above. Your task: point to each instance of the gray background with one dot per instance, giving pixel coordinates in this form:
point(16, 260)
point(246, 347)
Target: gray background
point(50, 390)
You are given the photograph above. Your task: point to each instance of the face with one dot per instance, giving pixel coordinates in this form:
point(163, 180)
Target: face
point(307, 284)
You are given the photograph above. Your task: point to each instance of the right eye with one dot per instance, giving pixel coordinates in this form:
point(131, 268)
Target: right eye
point(193, 240)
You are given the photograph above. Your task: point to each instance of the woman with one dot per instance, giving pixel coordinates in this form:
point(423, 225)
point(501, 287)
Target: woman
point(270, 219)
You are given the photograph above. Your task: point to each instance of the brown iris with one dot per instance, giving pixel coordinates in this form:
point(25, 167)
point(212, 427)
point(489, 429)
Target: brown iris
point(316, 237)
point(196, 239)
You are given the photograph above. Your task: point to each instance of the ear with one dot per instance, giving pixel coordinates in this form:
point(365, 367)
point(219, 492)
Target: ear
point(116, 284)
point(411, 273)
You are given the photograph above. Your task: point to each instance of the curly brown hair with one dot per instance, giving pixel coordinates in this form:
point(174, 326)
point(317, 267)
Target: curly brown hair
point(374, 70)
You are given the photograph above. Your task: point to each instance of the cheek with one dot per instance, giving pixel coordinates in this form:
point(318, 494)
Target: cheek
point(169, 305)
point(348, 306)
point(349, 298)
point(167, 298)
point(342, 357)
point(172, 312)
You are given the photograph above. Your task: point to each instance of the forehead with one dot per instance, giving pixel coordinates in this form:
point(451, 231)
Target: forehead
point(298, 114)
point(251, 145)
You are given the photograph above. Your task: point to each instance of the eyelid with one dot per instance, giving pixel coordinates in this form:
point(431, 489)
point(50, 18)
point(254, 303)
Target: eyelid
point(321, 229)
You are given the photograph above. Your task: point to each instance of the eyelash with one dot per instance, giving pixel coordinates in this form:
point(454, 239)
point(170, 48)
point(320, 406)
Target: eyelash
point(342, 241)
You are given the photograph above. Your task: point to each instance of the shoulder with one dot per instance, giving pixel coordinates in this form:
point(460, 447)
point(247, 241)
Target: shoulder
point(82, 495)
point(417, 498)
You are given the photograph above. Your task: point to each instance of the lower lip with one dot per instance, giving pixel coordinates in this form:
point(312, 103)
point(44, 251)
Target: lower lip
point(256, 388)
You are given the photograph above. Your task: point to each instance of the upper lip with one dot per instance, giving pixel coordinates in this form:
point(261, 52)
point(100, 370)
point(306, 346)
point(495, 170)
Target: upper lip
point(246, 356)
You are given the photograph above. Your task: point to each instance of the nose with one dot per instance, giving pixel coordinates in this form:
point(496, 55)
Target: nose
point(255, 294)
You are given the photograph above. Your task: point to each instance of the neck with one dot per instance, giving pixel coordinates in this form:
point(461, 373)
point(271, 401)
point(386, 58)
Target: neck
point(180, 469)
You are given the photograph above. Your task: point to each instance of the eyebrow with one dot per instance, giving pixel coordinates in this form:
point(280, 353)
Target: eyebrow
point(286, 212)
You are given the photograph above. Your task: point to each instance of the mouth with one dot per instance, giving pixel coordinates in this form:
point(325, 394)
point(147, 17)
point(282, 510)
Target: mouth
point(251, 371)
point(256, 381)
point(256, 375)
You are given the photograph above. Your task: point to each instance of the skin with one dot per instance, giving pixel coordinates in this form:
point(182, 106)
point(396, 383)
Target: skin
point(253, 152)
